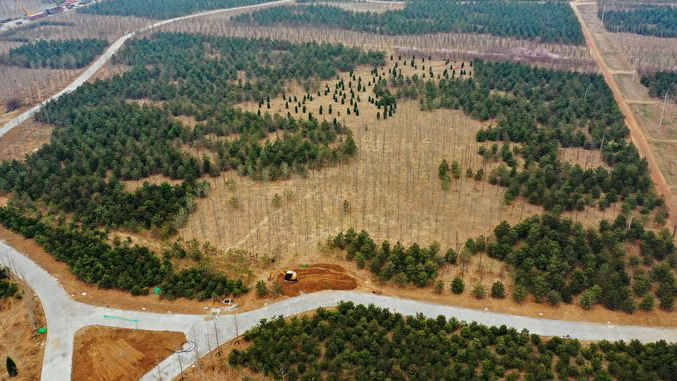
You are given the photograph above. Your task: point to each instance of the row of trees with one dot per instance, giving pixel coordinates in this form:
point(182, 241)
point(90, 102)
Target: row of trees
point(103, 139)
point(661, 83)
point(403, 265)
point(55, 54)
point(161, 9)
point(551, 257)
point(131, 268)
point(371, 343)
point(544, 110)
point(7, 288)
point(541, 21)
point(646, 20)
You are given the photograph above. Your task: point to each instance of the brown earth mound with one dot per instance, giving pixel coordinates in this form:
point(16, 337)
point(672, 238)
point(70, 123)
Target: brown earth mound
point(116, 354)
point(317, 277)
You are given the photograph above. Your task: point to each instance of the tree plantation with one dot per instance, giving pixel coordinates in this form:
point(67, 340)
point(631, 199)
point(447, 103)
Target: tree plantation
point(104, 138)
point(648, 20)
point(55, 54)
point(161, 9)
point(358, 342)
point(552, 258)
point(661, 83)
point(538, 111)
point(132, 268)
point(549, 21)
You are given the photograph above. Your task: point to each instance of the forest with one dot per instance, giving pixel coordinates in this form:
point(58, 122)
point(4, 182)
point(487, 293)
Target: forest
point(647, 20)
point(135, 269)
point(660, 83)
point(540, 21)
point(537, 111)
point(161, 9)
point(7, 288)
point(357, 342)
point(55, 54)
point(551, 258)
point(100, 132)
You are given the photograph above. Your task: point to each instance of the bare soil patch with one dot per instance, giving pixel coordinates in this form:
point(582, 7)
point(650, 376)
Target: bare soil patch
point(19, 322)
point(317, 277)
point(116, 354)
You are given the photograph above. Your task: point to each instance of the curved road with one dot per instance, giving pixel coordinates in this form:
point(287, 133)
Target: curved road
point(112, 49)
point(66, 316)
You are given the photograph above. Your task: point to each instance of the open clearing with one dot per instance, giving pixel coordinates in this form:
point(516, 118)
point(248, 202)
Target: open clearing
point(116, 354)
point(19, 321)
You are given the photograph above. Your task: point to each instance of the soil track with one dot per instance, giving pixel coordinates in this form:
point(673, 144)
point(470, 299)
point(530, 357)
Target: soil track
point(318, 277)
point(636, 134)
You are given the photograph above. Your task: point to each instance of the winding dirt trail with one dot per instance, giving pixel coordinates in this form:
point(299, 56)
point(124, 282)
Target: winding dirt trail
point(636, 133)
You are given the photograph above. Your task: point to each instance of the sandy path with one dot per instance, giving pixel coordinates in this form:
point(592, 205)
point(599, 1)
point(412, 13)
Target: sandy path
point(636, 133)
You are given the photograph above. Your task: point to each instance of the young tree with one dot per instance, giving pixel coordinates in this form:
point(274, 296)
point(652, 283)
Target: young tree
point(261, 289)
point(498, 290)
point(457, 286)
point(479, 291)
point(439, 287)
point(519, 293)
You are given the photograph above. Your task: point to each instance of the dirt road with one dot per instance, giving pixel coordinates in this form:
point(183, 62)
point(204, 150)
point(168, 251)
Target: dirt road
point(636, 133)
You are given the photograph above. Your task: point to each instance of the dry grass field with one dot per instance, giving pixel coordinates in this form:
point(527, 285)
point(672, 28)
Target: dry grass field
point(19, 321)
point(391, 189)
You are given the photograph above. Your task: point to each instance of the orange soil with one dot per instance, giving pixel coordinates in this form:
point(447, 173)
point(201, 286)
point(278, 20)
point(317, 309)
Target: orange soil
point(317, 277)
point(116, 354)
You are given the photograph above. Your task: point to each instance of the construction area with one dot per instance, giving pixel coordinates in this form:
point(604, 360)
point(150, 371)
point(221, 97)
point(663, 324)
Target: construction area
point(312, 278)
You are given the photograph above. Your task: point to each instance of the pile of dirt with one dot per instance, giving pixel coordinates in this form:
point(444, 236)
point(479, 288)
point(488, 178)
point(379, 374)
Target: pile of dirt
point(317, 277)
point(114, 354)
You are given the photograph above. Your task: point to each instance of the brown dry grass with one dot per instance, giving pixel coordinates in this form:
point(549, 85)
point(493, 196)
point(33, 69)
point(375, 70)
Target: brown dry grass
point(391, 189)
point(24, 139)
point(19, 321)
point(115, 354)
point(367, 7)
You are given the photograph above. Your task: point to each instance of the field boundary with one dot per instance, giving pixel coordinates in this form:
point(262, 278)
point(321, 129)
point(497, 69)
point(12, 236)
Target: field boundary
point(636, 133)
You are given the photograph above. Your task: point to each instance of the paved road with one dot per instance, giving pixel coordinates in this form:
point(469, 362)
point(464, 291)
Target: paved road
point(66, 316)
point(106, 56)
